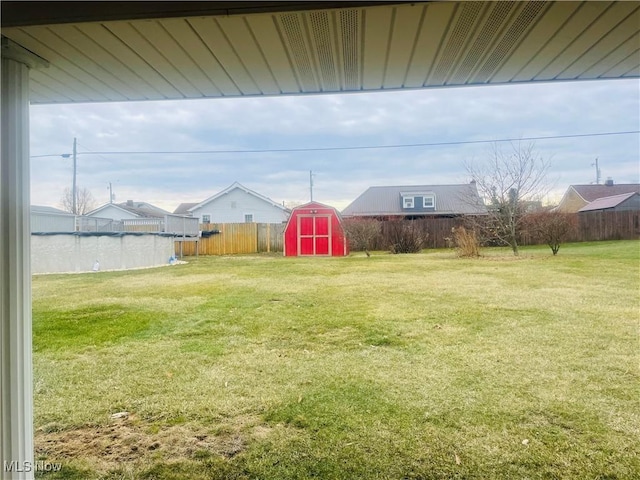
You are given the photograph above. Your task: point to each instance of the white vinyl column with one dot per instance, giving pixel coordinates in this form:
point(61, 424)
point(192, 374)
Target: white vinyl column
point(16, 376)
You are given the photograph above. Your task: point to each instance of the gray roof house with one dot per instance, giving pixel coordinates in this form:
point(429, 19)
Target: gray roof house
point(183, 208)
point(412, 201)
point(127, 211)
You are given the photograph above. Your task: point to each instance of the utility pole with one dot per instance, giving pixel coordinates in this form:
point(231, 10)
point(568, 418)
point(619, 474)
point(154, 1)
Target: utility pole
point(597, 171)
point(75, 170)
point(311, 184)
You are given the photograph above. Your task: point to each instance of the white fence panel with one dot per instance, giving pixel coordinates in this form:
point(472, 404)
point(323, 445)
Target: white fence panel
point(182, 226)
point(52, 222)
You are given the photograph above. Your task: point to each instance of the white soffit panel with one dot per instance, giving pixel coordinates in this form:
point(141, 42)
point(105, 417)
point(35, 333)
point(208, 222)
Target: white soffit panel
point(424, 44)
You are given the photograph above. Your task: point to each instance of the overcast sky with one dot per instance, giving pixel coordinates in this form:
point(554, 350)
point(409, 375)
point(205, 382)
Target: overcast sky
point(326, 121)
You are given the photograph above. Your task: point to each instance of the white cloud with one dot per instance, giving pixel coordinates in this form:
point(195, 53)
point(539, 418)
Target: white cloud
point(380, 118)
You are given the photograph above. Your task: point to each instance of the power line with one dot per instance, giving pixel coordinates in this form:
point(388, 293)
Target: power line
point(360, 147)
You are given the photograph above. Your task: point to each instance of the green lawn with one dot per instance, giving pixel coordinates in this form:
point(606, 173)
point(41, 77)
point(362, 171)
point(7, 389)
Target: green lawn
point(389, 367)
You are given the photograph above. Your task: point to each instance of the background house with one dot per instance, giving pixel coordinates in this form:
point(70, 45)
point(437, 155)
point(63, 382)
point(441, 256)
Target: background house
point(414, 201)
point(237, 204)
point(127, 211)
point(579, 196)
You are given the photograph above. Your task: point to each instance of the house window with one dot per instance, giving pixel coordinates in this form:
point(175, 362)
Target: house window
point(206, 218)
point(429, 201)
point(407, 202)
point(248, 218)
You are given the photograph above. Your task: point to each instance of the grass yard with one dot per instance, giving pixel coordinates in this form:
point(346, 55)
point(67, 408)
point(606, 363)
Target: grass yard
point(391, 367)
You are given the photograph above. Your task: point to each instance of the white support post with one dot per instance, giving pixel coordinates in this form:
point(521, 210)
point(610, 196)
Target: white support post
point(16, 375)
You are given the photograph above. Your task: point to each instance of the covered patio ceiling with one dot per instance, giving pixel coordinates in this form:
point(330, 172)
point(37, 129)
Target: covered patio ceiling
point(120, 51)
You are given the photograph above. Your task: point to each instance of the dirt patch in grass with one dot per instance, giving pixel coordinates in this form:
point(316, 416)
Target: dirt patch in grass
point(129, 441)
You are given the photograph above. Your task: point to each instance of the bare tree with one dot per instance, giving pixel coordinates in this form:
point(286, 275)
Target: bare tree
point(85, 201)
point(552, 227)
point(291, 204)
point(506, 180)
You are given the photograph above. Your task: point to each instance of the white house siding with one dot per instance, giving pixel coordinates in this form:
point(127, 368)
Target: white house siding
point(113, 213)
point(233, 206)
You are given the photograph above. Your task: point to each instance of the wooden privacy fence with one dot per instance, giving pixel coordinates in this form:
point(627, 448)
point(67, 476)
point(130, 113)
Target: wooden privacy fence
point(599, 225)
point(590, 227)
point(232, 238)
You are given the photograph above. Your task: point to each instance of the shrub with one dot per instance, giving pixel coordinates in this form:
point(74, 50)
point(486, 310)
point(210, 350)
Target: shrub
point(361, 233)
point(405, 237)
point(465, 242)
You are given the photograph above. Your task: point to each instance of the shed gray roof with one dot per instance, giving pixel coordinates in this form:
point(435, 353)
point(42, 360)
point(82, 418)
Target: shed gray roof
point(460, 199)
point(607, 202)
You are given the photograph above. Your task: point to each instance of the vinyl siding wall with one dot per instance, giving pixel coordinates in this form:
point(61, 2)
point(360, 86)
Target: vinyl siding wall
point(233, 206)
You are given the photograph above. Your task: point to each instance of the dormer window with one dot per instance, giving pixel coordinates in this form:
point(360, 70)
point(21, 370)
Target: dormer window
point(407, 202)
point(429, 201)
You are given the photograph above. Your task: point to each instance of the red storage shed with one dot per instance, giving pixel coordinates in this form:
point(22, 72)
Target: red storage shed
point(315, 229)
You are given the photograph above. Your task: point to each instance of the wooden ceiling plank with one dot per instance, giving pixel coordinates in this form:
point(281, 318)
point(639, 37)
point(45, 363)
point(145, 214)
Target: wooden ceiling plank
point(404, 32)
point(377, 29)
point(614, 57)
point(168, 58)
point(236, 29)
point(129, 34)
point(587, 38)
point(73, 77)
point(628, 67)
point(268, 37)
point(535, 41)
point(605, 47)
point(213, 37)
point(156, 87)
point(42, 93)
point(178, 57)
point(103, 63)
point(57, 81)
point(437, 19)
point(198, 51)
point(82, 67)
point(341, 49)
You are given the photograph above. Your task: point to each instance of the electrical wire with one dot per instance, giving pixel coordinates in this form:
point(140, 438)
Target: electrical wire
point(361, 147)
